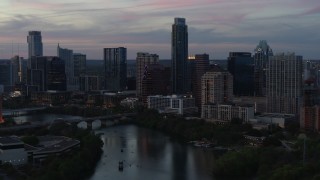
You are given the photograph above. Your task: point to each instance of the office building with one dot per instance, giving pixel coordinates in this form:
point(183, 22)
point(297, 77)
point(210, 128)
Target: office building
point(241, 66)
point(180, 76)
point(35, 48)
point(80, 64)
point(284, 84)
point(67, 56)
point(143, 61)
point(175, 104)
point(216, 87)
point(261, 56)
point(17, 70)
point(224, 113)
point(200, 65)
point(46, 73)
point(56, 74)
point(310, 111)
point(89, 83)
point(115, 68)
point(6, 75)
point(156, 81)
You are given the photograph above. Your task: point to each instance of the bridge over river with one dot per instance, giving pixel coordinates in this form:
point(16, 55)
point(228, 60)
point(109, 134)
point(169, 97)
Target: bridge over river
point(105, 121)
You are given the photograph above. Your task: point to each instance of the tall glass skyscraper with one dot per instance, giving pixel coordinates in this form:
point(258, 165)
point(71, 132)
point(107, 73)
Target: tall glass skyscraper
point(284, 83)
point(34, 40)
point(67, 56)
point(241, 66)
point(115, 68)
point(179, 48)
point(261, 58)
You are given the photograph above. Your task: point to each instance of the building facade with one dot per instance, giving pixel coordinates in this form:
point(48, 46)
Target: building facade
point(143, 61)
point(6, 75)
point(80, 64)
point(261, 57)
point(115, 68)
point(67, 56)
point(156, 81)
point(179, 49)
point(216, 87)
point(284, 84)
point(34, 40)
point(172, 104)
point(200, 67)
point(241, 66)
point(89, 83)
point(46, 73)
point(224, 113)
point(57, 80)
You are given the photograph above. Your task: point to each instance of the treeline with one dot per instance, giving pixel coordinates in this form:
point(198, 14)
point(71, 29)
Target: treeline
point(270, 163)
point(188, 130)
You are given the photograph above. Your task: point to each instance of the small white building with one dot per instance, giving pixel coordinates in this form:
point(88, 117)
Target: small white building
point(273, 118)
point(12, 151)
point(172, 104)
point(129, 102)
point(226, 112)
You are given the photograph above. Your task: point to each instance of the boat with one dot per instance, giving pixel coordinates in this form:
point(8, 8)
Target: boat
point(120, 165)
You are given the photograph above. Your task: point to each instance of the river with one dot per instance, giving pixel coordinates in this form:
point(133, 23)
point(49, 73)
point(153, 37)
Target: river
point(147, 154)
point(150, 155)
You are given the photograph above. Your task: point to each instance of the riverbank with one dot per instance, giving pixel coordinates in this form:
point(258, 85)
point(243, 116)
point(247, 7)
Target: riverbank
point(77, 164)
point(192, 130)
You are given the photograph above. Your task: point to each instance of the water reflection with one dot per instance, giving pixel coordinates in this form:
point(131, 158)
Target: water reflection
point(148, 154)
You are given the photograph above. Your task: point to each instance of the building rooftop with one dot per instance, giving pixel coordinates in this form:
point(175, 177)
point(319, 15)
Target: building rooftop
point(9, 140)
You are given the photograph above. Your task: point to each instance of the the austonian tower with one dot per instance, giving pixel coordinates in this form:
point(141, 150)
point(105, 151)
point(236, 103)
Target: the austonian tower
point(179, 50)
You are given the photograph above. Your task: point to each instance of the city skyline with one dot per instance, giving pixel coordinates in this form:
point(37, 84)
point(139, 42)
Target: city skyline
point(216, 27)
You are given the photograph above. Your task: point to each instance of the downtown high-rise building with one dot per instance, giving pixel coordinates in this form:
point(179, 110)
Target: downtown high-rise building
point(143, 62)
point(80, 64)
point(67, 56)
point(115, 68)
point(216, 87)
point(241, 66)
point(46, 73)
point(261, 56)
point(200, 65)
point(35, 47)
point(284, 89)
point(180, 78)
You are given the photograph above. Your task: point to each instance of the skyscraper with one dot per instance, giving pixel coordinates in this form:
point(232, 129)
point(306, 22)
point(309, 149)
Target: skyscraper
point(115, 68)
point(34, 40)
point(241, 66)
point(179, 48)
point(261, 57)
point(80, 64)
point(56, 74)
point(67, 56)
point(47, 73)
point(284, 84)
point(143, 61)
point(200, 67)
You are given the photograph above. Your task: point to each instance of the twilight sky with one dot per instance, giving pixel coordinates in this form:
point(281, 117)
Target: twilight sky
point(215, 27)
